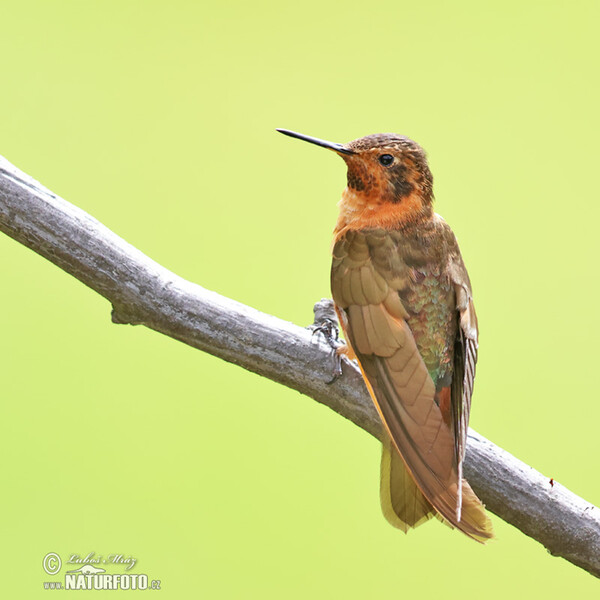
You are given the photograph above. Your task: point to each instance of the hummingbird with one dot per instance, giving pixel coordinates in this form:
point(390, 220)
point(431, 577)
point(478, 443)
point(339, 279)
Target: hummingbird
point(403, 299)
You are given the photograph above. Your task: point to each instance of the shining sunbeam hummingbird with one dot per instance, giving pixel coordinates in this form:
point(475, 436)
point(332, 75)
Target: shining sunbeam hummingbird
point(403, 298)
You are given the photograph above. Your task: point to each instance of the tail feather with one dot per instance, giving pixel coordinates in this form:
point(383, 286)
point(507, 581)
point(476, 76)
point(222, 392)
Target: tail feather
point(474, 521)
point(402, 502)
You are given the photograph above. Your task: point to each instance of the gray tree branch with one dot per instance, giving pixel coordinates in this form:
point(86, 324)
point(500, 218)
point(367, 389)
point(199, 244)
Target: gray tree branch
point(145, 293)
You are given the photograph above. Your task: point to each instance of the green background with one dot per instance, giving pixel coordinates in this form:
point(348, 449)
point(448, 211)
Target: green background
point(158, 119)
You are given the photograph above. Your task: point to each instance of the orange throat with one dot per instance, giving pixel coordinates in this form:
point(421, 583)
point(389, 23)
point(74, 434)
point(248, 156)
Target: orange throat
point(359, 211)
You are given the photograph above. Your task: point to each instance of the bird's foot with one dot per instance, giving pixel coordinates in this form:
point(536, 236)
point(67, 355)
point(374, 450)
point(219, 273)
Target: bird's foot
point(328, 328)
point(326, 323)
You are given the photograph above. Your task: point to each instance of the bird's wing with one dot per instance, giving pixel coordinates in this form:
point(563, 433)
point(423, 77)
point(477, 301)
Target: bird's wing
point(374, 321)
point(465, 348)
point(465, 359)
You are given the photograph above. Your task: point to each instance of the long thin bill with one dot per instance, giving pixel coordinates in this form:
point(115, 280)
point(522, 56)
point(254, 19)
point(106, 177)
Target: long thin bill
point(313, 140)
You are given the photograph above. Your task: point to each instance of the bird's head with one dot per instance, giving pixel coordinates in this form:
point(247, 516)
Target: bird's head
point(388, 176)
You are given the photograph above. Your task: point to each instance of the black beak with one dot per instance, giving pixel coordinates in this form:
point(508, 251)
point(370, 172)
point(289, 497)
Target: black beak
point(313, 140)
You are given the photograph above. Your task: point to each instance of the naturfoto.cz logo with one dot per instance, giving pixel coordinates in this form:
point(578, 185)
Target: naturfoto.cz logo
point(91, 576)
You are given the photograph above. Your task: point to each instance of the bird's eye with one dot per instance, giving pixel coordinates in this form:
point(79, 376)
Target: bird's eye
point(386, 160)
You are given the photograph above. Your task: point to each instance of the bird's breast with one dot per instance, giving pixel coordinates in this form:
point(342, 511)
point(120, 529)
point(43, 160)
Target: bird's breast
point(362, 210)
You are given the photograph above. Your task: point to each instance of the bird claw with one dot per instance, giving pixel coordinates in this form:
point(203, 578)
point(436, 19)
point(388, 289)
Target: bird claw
point(330, 331)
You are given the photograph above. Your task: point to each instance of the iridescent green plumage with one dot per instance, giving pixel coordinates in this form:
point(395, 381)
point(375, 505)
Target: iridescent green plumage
point(433, 322)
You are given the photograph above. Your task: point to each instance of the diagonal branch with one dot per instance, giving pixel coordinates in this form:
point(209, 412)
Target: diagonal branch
point(143, 292)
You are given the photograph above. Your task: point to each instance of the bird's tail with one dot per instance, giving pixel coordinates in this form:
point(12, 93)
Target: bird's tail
point(402, 502)
point(474, 521)
point(405, 507)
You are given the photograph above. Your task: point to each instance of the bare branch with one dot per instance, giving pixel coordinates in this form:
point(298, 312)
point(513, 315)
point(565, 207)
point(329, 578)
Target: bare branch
point(143, 292)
